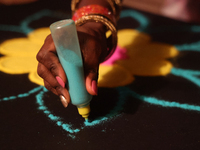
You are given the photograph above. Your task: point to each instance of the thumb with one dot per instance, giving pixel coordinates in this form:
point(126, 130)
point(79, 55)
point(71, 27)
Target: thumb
point(91, 82)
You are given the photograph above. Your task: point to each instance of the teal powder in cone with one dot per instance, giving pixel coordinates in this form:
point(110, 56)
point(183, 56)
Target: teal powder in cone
point(67, 46)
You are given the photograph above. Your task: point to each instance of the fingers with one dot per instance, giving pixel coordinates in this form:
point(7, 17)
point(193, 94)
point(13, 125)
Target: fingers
point(50, 69)
point(53, 84)
point(92, 55)
point(91, 68)
point(50, 88)
point(47, 76)
point(65, 98)
point(48, 57)
point(91, 82)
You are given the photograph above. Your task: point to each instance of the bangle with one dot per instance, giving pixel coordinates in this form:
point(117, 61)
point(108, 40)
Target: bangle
point(112, 40)
point(94, 9)
point(115, 5)
point(73, 5)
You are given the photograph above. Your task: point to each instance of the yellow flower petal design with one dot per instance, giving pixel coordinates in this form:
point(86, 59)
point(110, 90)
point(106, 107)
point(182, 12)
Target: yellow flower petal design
point(20, 53)
point(154, 50)
point(35, 78)
point(145, 58)
point(129, 38)
point(19, 47)
point(38, 36)
point(113, 76)
point(18, 64)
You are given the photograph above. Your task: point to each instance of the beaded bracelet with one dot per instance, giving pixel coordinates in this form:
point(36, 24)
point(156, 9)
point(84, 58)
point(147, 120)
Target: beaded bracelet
point(111, 40)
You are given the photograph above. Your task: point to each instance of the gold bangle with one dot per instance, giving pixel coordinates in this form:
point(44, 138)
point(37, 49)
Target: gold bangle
point(112, 40)
point(73, 5)
point(112, 5)
point(118, 2)
point(94, 10)
point(116, 7)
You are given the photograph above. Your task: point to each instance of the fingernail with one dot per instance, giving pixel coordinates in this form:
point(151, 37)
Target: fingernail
point(94, 87)
point(60, 81)
point(64, 101)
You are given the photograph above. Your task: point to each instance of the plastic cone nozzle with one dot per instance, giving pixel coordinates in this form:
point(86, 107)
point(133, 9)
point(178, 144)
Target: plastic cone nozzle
point(84, 111)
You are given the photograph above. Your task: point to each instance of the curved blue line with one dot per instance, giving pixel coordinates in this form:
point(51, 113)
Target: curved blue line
point(11, 28)
point(58, 120)
point(152, 100)
point(123, 91)
point(115, 112)
point(144, 21)
point(24, 24)
point(189, 47)
point(190, 75)
point(22, 95)
point(195, 28)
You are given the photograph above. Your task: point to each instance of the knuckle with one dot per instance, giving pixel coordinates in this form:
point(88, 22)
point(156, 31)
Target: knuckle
point(93, 71)
point(52, 67)
point(50, 88)
point(41, 55)
point(48, 38)
point(43, 52)
point(40, 71)
point(58, 89)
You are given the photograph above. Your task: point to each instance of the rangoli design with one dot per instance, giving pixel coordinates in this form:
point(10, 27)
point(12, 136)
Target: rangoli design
point(136, 55)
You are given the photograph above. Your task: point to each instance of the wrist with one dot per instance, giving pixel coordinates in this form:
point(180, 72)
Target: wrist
point(97, 20)
point(103, 3)
point(98, 27)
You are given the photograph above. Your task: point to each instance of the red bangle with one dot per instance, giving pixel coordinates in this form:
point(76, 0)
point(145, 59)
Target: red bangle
point(95, 10)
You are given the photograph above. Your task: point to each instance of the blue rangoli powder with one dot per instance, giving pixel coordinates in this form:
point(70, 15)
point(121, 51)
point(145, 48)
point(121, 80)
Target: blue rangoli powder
point(124, 92)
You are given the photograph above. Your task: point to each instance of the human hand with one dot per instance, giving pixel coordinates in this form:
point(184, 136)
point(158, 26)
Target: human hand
point(92, 41)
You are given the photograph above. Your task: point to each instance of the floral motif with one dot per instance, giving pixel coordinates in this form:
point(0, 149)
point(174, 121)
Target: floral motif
point(135, 55)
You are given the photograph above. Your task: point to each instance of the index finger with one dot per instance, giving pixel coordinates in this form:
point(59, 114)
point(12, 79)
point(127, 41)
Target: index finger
point(48, 57)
